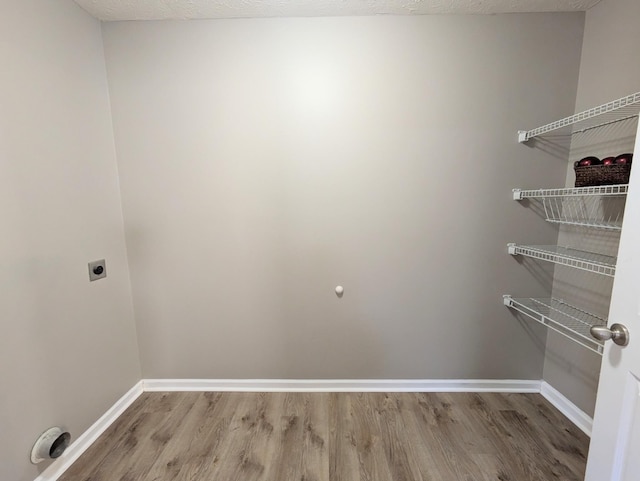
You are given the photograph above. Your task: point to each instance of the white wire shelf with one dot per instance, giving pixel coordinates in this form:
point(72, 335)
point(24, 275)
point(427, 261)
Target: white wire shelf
point(561, 317)
point(599, 207)
point(599, 191)
point(626, 108)
point(566, 256)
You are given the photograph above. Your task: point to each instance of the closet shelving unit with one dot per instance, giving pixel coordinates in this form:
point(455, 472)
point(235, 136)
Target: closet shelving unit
point(561, 317)
point(599, 207)
point(620, 110)
point(566, 256)
point(596, 207)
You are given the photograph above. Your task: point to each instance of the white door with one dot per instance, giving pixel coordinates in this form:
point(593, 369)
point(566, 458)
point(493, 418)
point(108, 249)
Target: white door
point(614, 454)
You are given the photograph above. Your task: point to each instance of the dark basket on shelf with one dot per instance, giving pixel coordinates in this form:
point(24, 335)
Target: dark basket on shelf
point(593, 175)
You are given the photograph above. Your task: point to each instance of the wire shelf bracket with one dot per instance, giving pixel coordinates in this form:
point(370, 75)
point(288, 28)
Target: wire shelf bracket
point(565, 256)
point(563, 318)
point(621, 105)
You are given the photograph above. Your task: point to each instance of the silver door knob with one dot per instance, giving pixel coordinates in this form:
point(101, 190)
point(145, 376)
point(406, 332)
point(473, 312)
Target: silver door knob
point(617, 332)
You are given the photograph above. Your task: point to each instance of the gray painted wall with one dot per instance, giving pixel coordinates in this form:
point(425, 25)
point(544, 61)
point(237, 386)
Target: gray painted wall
point(68, 348)
point(609, 69)
point(263, 162)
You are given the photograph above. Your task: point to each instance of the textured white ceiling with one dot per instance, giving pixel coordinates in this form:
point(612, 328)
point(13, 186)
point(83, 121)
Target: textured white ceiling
point(185, 9)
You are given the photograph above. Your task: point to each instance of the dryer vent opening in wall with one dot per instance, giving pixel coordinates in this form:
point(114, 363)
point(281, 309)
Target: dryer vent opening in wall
point(50, 445)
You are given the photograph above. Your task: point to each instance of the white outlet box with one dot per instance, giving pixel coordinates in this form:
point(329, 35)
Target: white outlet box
point(97, 270)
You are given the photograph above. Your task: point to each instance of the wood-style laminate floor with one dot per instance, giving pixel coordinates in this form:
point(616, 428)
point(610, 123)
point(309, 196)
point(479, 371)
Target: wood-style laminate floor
point(336, 437)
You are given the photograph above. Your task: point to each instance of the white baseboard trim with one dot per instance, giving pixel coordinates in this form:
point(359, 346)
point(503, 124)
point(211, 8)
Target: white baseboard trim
point(577, 416)
point(342, 385)
point(86, 439)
